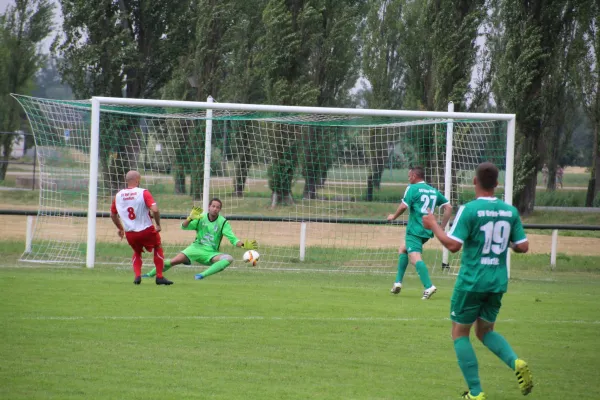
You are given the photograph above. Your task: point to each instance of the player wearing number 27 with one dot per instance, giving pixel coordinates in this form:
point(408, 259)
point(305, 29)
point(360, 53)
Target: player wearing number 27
point(130, 212)
point(485, 228)
point(418, 197)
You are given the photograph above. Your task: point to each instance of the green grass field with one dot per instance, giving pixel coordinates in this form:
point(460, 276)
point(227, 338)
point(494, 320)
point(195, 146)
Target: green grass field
point(252, 334)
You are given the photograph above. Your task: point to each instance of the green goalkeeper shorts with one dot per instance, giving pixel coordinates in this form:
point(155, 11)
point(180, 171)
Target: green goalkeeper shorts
point(414, 244)
point(200, 254)
point(466, 307)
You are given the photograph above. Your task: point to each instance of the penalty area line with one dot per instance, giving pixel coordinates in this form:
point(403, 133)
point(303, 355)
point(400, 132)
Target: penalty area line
point(282, 318)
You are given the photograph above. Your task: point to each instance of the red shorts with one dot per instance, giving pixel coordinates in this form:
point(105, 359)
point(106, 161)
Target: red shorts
point(147, 239)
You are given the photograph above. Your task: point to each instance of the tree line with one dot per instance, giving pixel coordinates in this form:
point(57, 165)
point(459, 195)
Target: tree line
point(536, 58)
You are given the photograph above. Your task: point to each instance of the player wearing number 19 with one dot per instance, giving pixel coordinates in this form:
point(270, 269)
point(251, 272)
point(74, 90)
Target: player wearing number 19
point(418, 197)
point(130, 212)
point(485, 228)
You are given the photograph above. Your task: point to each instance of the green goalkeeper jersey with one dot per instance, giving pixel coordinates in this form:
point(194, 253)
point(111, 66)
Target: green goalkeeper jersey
point(209, 233)
point(485, 227)
point(419, 197)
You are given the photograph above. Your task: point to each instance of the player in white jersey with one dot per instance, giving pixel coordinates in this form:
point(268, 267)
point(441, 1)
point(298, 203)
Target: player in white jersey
point(130, 212)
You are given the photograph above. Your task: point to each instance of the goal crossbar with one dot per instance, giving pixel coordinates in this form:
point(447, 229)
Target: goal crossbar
point(302, 110)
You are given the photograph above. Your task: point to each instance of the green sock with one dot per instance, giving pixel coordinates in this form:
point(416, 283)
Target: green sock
point(500, 347)
point(402, 264)
point(423, 274)
point(167, 267)
point(216, 267)
point(467, 361)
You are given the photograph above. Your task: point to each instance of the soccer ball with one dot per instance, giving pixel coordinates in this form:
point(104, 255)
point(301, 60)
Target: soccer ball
point(251, 256)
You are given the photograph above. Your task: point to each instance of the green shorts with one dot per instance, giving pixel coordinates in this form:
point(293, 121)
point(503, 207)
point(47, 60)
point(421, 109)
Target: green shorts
point(414, 244)
point(466, 307)
point(200, 254)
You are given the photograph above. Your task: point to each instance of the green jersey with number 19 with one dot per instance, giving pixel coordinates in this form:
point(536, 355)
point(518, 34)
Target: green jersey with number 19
point(485, 227)
point(419, 197)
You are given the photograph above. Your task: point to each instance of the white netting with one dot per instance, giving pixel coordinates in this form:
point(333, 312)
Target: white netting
point(339, 175)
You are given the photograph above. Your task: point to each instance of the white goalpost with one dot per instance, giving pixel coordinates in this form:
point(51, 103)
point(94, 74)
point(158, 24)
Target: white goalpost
point(311, 184)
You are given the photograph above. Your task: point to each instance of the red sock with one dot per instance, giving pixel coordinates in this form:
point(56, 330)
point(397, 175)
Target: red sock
point(159, 261)
point(137, 264)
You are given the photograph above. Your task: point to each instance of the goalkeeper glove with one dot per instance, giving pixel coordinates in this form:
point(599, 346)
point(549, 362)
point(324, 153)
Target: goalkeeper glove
point(196, 213)
point(250, 244)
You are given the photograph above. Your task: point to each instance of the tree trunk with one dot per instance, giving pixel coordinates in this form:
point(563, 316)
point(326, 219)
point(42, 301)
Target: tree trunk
point(526, 201)
point(594, 182)
point(311, 168)
point(589, 196)
point(597, 159)
point(281, 172)
point(179, 178)
point(555, 150)
point(181, 161)
point(310, 189)
point(6, 142)
point(244, 159)
point(241, 175)
point(274, 200)
point(526, 176)
point(369, 188)
point(377, 158)
point(197, 162)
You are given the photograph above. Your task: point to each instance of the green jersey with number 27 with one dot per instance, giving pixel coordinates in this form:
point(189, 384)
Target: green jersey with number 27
point(485, 227)
point(419, 197)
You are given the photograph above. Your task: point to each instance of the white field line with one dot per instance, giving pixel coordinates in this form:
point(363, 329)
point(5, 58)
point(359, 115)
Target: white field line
point(286, 318)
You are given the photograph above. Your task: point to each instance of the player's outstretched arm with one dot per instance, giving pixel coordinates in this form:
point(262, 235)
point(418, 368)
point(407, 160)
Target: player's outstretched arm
point(156, 215)
point(522, 247)
point(447, 214)
point(429, 222)
point(401, 208)
point(195, 215)
point(115, 219)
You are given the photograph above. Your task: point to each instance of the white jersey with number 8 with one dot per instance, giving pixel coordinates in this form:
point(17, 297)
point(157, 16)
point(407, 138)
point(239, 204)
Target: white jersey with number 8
point(133, 206)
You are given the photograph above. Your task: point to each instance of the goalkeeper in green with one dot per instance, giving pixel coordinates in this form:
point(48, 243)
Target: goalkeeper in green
point(210, 228)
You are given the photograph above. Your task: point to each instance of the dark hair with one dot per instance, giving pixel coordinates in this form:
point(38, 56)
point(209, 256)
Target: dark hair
point(215, 199)
point(418, 171)
point(487, 175)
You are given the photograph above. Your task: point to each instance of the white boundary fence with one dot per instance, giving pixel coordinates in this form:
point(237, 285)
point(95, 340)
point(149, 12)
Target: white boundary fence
point(303, 231)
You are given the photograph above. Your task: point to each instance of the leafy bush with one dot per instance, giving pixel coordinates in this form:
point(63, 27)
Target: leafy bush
point(561, 198)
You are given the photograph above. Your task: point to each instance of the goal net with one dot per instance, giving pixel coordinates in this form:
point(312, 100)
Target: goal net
point(314, 189)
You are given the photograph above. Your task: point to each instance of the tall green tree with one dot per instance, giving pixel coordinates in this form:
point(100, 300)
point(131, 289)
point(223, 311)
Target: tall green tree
point(23, 27)
point(385, 68)
point(220, 60)
point(290, 27)
point(334, 64)
point(528, 32)
point(243, 83)
point(120, 48)
point(560, 105)
point(382, 62)
point(587, 81)
point(419, 55)
point(441, 71)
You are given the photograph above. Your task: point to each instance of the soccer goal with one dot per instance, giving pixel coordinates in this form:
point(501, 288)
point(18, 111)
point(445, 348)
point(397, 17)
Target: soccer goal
point(312, 185)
